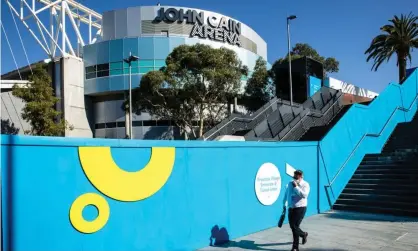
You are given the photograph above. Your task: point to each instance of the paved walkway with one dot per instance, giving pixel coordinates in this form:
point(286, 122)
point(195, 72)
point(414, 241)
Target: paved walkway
point(340, 231)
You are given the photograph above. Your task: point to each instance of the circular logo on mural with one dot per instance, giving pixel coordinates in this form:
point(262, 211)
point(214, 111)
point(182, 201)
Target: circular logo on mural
point(267, 184)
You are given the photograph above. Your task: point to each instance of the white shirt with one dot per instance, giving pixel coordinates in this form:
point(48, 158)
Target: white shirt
point(297, 196)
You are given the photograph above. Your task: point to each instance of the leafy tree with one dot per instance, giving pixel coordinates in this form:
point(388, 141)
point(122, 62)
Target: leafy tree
point(259, 89)
point(39, 108)
point(195, 85)
point(400, 37)
point(305, 50)
point(8, 127)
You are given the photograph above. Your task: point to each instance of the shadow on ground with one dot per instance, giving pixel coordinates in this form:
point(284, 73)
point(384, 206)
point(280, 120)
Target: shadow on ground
point(220, 239)
point(343, 215)
point(251, 245)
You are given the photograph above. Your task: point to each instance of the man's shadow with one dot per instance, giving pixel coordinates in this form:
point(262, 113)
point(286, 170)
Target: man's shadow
point(220, 238)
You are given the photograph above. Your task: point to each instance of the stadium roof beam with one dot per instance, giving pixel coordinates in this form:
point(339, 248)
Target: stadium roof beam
point(77, 14)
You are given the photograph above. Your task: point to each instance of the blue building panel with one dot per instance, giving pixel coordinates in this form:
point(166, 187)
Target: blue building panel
point(161, 47)
point(102, 84)
point(175, 42)
point(130, 45)
point(116, 50)
point(90, 55)
point(90, 86)
point(118, 83)
point(103, 52)
point(146, 48)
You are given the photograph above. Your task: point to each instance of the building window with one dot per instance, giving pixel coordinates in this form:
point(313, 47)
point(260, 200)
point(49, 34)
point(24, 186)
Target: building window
point(122, 68)
point(102, 70)
point(91, 72)
point(165, 33)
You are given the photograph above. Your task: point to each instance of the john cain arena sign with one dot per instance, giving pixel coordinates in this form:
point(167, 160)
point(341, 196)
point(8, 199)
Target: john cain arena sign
point(218, 29)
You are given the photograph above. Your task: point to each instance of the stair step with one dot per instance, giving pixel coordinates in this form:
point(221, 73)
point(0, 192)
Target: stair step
point(377, 197)
point(404, 192)
point(399, 166)
point(380, 181)
point(381, 176)
point(383, 162)
point(386, 170)
point(390, 211)
point(382, 186)
point(375, 203)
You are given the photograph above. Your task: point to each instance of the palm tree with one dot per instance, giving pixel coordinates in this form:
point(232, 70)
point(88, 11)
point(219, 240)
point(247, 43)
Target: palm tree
point(400, 37)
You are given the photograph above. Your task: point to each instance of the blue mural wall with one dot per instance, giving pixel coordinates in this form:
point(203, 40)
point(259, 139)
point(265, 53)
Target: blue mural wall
point(188, 191)
point(364, 130)
point(211, 184)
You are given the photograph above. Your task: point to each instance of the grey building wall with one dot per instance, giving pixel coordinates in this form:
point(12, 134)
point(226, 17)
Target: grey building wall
point(11, 114)
point(74, 102)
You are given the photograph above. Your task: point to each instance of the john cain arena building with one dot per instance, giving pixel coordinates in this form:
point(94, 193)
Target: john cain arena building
point(150, 33)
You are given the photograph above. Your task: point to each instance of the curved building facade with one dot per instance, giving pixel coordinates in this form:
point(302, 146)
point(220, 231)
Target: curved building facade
point(151, 33)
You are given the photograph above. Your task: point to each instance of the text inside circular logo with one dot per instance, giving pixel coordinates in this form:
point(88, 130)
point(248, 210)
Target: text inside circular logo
point(267, 184)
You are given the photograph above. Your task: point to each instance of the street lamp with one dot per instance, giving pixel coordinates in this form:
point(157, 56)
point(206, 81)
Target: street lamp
point(290, 59)
point(129, 60)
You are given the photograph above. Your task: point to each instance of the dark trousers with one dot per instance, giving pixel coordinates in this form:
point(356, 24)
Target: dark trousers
point(295, 218)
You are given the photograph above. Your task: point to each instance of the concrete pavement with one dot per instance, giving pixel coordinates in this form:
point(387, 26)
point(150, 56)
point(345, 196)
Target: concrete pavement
point(339, 231)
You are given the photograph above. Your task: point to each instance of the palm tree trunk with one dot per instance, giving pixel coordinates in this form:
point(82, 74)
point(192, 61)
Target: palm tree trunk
point(402, 67)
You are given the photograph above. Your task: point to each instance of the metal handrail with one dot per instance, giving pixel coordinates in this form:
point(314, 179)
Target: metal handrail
point(310, 112)
point(245, 119)
point(370, 135)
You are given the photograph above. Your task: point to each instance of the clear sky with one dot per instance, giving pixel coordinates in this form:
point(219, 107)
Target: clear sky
point(341, 29)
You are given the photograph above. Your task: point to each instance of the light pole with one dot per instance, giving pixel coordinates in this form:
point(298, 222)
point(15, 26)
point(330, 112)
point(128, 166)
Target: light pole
point(290, 59)
point(129, 60)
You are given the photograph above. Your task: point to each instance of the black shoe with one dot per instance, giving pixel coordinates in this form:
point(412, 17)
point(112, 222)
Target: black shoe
point(305, 238)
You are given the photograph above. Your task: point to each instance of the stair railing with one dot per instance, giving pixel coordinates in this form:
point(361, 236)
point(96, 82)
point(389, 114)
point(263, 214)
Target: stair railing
point(313, 113)
point(244, 119)
point(361, 140)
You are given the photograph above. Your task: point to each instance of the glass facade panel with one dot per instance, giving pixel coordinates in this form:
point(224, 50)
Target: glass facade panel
point(116, 65)
point(91, 75)
point(116, 72)
point(104, 73)
point(116, 50)
point(91, 69)
point(134, 64)
point(146, 48)
point(161, 47)
point(103, 52)
point(135, 70)
point(175, 42)
point(159, 63)
point(90, 55)
point(144, 70)
point(130, 45)
point(146, 63)
point(102, 67)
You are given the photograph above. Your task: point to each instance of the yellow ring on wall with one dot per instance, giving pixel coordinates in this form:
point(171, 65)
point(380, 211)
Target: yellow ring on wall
point(118, 184)
point(76, 213)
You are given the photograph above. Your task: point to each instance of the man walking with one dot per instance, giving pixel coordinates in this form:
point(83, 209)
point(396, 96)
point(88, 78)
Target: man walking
point(296, 196)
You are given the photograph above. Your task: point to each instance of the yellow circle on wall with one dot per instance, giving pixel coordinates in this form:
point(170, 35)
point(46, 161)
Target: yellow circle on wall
point(76, 213)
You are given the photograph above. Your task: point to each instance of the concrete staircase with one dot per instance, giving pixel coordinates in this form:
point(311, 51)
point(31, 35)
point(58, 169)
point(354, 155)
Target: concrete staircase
point(388, 182)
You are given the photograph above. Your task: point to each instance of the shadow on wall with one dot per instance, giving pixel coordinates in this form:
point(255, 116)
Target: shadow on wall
point(7, 239)
point(8, 127)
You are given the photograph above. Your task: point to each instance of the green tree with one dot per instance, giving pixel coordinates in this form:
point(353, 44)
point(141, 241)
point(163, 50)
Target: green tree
point(195, 85)
point(330, 64)
point(259, 89)
point(400, 37)
point(39, 109)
